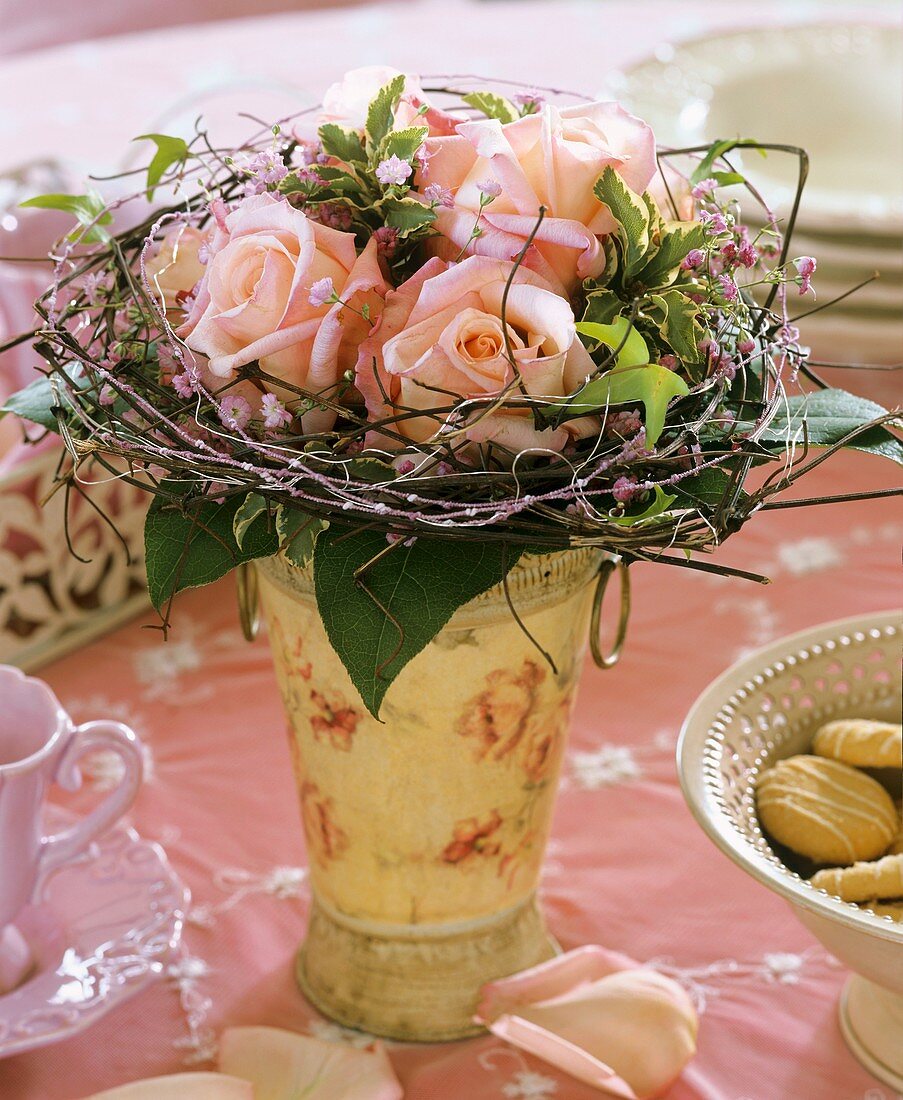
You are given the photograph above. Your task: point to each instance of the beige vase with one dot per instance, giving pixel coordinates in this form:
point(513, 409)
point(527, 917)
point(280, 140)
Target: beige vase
point(426, 831)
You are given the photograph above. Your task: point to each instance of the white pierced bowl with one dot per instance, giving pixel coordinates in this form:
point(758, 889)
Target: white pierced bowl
point(763, 709)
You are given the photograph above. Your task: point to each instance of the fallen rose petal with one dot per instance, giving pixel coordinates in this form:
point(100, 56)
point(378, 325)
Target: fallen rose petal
point(626, 1030)
point(282, 1064)
point(182, 1086)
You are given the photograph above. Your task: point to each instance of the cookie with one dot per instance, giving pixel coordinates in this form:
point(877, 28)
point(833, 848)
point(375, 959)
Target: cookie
point(892, 909)
point(861, 742)
point(896, 847)
point(826, 810)
point(882, 878)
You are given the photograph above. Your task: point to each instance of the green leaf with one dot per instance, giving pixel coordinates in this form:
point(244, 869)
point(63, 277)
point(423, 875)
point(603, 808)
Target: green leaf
point(630, 212)
point(34, 403)
point(407, 215)
point(404, 143)
point(342, 144)
point(492, 106)
point(380, 114)
point(678, 316)
point(652, 384)
point(298, 533)
point(620, 334)
point(727, 179)
point(661, 503)
point(678, 240)
point(192, 545)
point(704, 169)
point(602, 306)
point(829, 416)
point(370, 469)
point(170, 151)
point(88, 209)
point(705, 488)
point(250, 508)
point(419, 586)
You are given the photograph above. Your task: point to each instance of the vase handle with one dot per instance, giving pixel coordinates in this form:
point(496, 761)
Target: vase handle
point(606, 570)
point(248, 603)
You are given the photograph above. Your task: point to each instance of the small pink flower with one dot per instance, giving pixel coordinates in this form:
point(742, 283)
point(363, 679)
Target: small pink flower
point(322, 292)
point(805, 265)
point(529, 102)
point(406, 466)
point(386, 238)
point(234, 412)
point(183, 384)
point(714, 222)
point(704, 187)
point(748, 256)
point(107, 395)
point(439, 196)
point(746, 346)
point(394, 170)
point(669, 362)
point(693, 259)
point(624, 489)
point(490, 188)
point(728, 288)
point(275, 414)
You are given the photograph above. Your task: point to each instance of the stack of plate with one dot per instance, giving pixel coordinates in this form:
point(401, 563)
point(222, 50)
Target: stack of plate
point(836, 90)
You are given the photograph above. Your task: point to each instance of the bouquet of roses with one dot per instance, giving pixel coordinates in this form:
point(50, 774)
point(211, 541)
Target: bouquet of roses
point(429, 333)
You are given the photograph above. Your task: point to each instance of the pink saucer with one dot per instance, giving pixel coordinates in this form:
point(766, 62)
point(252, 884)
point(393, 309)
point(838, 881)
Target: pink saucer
point(103, 931)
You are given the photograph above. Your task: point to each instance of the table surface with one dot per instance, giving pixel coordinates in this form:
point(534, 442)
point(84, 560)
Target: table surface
point(627, 866)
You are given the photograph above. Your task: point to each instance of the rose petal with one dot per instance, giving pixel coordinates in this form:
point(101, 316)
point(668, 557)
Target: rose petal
point(182, 1086)
point(282, 1063)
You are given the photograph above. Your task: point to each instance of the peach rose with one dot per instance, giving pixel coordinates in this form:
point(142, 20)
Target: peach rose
point(175, 270)
point(600, 1017)
point(441, 332)
point(256, 302)
point(552, 158)
point(345, 102)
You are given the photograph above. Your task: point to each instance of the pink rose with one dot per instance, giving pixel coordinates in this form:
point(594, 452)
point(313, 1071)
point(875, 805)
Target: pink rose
point(553, 159)
point(441, 332)
point(346, 102)
point(598, 1016)
point(174, 270)
point(256, 300)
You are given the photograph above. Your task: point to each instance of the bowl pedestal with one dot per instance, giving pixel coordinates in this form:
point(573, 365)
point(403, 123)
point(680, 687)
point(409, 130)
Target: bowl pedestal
point(871, 1019)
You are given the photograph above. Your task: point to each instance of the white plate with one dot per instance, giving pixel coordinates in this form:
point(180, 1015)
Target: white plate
point(834, 89)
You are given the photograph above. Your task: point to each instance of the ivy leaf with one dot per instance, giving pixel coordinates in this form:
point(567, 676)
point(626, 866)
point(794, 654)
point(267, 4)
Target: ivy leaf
point(404, 143)
point(407, 215)
point(661, 503)
point(678, 240)
point(652, 384)
point(342, 144)
point(35, 403)
point(298, 533)
point(380, 114)
point(170, 150)
point(419, 586)
point(492, 106)
point(704, 168)
point(194, 544)
point(706, 488)
point(88, 209)
point(250, 508)
point(630, 212)
point(829, 416)
point(677, 316)
point(371, 469)
point(620, 334)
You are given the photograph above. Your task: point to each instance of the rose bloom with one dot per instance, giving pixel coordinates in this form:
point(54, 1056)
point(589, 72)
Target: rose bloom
point(551, 159)
point(174, 270)
point(254, 301)
point(346, 102)
point(441, 337)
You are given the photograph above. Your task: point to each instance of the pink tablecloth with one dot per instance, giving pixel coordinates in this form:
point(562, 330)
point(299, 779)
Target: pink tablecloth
point(627, 866)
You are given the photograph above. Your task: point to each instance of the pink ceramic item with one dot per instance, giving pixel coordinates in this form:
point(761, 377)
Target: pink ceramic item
point(103, 929)
point(39, 745)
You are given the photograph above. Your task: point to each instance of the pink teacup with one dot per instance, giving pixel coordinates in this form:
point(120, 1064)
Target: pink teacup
point(40, 745)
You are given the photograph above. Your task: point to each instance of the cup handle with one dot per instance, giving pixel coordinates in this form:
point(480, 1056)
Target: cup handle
point(93, 737)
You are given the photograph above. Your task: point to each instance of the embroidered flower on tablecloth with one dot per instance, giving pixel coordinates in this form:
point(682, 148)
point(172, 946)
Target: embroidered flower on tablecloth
point(605, 766)
point(530, 1086)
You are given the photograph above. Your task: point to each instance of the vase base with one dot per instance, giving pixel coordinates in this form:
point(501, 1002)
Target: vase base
point(414, 984)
